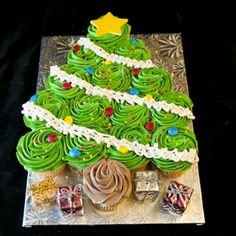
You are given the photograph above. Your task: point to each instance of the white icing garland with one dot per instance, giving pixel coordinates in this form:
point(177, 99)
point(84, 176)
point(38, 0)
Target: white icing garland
point(119, 96)
point(87, 43)
point(34, 111)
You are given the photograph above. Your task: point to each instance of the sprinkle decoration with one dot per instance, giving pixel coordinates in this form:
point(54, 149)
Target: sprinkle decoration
point(52, 138)
point(75, 152)
point(149, 97)
point(69, 119)
point(66, 86)
point(133, 40)
point(172, 131)
point(135, 72)
point(90, 70)
point(134, 91)
point(107, 62)
point(34, 98)
point(123, 149)
point(109, 111)
point(76, 48)
point(149, 126)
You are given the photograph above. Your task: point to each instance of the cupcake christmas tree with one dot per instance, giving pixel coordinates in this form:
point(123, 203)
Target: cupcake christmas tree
point(110, 100)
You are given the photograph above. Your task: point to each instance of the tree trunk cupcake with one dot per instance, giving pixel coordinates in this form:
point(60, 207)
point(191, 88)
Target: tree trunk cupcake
point(107, 183)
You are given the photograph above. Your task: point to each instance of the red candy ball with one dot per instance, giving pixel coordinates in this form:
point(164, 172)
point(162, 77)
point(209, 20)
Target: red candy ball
point(149, 126)
point(66, 86)
point(51, 138)
point(109, 111)
point(76, 48)
point(135, 71)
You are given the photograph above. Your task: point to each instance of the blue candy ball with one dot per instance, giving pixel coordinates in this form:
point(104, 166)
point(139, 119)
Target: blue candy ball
point(75, 152)
point(134, 91)
point(133, 40)
point(90, 70)
point(34, 98)
point(172, 131)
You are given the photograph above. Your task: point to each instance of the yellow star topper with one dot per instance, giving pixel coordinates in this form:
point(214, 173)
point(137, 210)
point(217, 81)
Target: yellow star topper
point(109, 24)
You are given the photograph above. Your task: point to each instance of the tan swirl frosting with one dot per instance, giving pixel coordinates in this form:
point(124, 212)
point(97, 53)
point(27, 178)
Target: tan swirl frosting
point(107, 182)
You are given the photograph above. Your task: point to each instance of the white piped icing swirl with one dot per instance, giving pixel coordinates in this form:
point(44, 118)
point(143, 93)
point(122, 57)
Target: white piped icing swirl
point(87, 43)
point(119, 96)
point(35, 111)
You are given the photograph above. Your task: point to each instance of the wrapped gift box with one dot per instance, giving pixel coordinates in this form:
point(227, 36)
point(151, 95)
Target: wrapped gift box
point(145, 185)
point(177, 197)
point(70, 200)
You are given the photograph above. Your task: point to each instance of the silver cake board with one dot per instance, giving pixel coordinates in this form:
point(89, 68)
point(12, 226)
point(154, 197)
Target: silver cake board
point(167, 52)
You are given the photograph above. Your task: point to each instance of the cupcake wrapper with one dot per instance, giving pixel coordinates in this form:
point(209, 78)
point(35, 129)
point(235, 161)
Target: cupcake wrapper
point(106, 208)
point(54, 173)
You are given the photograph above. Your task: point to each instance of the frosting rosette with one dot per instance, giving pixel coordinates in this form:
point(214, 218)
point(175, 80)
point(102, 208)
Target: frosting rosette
point(164, 118)
point(37, 153)
point(106, 183)
point(53, 103)
point(83, 58)
point(89, 111)
point(61, 88)
point(134, 49)
point(112, 76)
point(153, 81)
point(109, 41)
point(183, 139)
point(131, 116)
point(89, 151)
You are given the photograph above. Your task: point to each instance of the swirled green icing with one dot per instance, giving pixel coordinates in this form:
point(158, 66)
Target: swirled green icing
point(153, 81)
point(109, 41)
point(167, 118)
point(36, 154)
point(136, 50)
point(83, 58)
point(89, 111)
point(184, 140)
point(130, 134)
point(112, 76)
point(51, 102)
point(55, 86)
point(90, 151)
point(130, 159)
point(129, 115)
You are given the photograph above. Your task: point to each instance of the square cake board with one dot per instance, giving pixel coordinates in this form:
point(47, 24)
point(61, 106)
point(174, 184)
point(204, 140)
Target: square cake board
point(167, 52)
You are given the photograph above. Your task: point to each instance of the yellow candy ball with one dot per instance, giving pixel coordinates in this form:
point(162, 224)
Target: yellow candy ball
point(107, 62)
point(149, 97)
point(69, 119)
point(123, 149)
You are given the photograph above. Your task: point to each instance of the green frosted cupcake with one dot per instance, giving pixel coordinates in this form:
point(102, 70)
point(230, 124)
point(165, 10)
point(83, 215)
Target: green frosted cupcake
point(80, 153)
point(41, 151)
point(173, 138)
point(84, 58)
point(133, 48)
point(112, 76)
point(164, 118)
point(51, 102)
point(154, 81)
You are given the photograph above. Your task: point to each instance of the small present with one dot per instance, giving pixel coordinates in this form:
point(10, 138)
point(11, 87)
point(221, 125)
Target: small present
point(146, 186)
point(43, 192)
point(70, 200)
point(177, 197)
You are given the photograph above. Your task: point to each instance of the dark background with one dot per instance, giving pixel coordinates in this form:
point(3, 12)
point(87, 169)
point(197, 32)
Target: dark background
point(209, 41)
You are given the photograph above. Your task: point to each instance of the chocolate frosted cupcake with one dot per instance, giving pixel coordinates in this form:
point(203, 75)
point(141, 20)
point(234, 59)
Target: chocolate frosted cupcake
point(106, 183)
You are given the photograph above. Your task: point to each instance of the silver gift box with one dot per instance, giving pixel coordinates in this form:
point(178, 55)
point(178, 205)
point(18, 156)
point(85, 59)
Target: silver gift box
point(145, 185)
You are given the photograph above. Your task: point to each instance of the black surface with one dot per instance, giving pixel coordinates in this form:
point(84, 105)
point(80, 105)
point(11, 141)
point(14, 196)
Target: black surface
point(209, 42)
